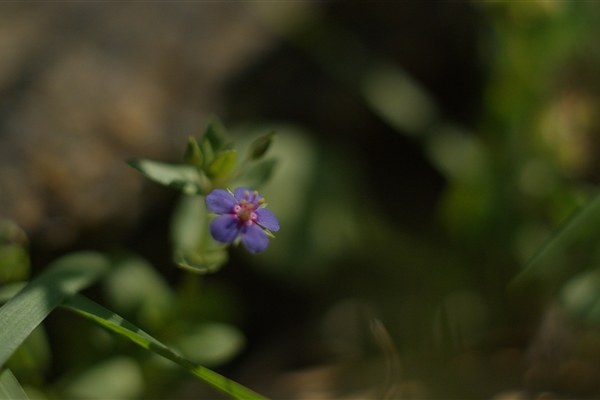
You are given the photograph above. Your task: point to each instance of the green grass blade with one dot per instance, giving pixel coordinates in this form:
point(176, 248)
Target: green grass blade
point(572, 249)
point(28, 308)
point(10, 387)
point(115, 323)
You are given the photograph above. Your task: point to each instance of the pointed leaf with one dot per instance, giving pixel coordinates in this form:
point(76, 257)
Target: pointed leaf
point(193, 154)
point(180, 176)
point(215, 134)
point(208, 153)
point(223, 164)
point(259, 147)
point(115, 323)
point(62, 279)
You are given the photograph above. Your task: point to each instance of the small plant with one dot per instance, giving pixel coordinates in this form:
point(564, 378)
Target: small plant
point(210, 166)
point(242, 216)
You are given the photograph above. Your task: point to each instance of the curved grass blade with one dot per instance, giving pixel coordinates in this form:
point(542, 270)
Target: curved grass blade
point(575, 247)
point(28, 308)
point(10, 387)
point(115, 323)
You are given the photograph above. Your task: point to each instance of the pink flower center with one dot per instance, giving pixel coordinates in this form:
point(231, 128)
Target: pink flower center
point(245, 212)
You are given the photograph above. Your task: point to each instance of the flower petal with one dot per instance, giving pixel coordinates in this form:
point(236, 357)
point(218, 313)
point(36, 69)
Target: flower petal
point(225, 228)
point(254, 238)
point(240, 194)
point(220, 201)
point(267, 219)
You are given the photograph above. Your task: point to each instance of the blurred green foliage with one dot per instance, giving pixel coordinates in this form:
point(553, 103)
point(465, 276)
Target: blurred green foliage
point(511, 178)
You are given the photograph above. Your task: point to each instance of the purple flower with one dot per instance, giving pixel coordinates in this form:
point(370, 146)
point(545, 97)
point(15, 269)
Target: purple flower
point(241, 214)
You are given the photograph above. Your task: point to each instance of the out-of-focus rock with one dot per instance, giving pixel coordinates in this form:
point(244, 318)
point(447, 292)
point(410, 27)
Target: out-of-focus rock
point(84, 86)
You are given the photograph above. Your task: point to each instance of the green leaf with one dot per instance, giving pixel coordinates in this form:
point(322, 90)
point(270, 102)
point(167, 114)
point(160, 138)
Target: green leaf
point(10, 388)
point(193, 154)
point(211, 344)
point(115, 378)
point(208, 153)
point(180, 176)
point(188, 223)
point(259, 147)
point(115, 323)
point(572, 249)
point(194, 249)
point(215, 134)
point(257, 175)
point(207, 262)
point(222, 165)
point(62, 279)
point(133, 287)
